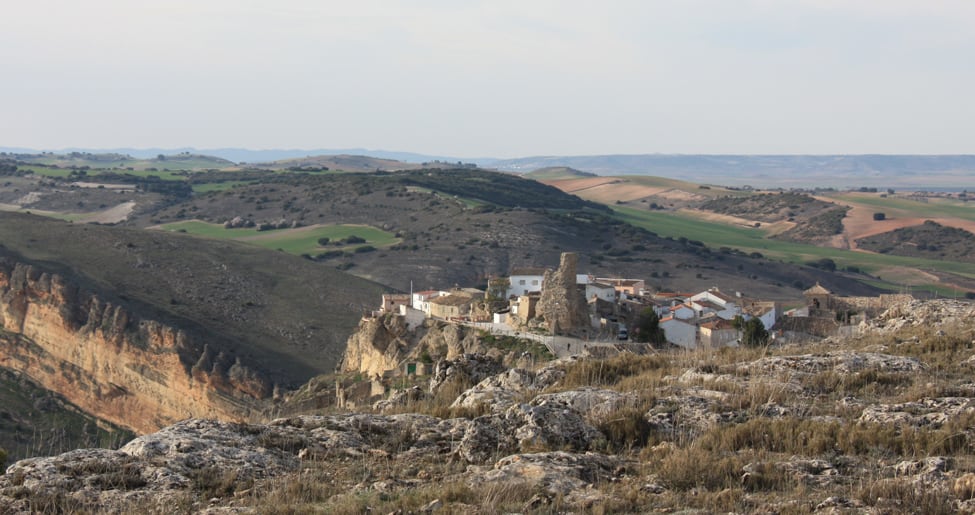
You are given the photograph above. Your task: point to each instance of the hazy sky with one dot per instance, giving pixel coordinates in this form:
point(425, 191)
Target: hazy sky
point(493, 77)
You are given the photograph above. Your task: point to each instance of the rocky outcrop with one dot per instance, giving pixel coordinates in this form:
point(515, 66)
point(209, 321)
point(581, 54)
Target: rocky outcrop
point(464, 369)
point(561, 305)
point(921, 313)
point(166, 469)
point(386, 342)
point(135, 372)
point(527, 428)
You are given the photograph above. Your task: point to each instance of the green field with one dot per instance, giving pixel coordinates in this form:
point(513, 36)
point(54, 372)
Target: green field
point(303, 240)
point(935, 208)
point(754, 240)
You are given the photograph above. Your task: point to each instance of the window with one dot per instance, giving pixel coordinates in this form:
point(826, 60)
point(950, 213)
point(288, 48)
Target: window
point(522, 281)
point(534, 282)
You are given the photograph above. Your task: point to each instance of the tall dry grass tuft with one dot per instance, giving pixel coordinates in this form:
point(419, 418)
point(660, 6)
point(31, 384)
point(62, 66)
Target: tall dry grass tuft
point(692, 467)
point(611, 371)
point(438, 405)
point(906, 496)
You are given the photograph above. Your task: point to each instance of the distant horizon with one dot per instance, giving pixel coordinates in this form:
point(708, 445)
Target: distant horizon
point(313, 152)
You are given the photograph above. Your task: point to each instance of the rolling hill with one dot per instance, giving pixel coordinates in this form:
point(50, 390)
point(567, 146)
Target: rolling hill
point(796, 226)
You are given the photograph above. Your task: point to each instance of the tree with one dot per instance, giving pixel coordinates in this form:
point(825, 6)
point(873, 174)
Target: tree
point(323, 241)
point(648, 327)
point(753, 333)
point(3, 458)
point(497, 289)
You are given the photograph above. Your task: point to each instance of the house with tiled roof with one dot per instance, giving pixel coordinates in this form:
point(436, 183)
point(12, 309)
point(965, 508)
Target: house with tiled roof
point(450, 306)
point(679, 332)
point(718, 333)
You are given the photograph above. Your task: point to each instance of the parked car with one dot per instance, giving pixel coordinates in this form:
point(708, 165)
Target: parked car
point(622, 334)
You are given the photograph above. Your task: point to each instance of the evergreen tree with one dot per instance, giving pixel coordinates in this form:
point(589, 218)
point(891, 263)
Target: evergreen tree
point(753, 332)
point(648, 327)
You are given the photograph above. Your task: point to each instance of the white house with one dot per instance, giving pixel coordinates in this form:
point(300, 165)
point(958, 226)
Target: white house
point(421, 299)
point(601, 291)
point(679, 332)
point(682, 312)
point(713, 301)
point(718, 333)
point(523, 281)
point(414, 317)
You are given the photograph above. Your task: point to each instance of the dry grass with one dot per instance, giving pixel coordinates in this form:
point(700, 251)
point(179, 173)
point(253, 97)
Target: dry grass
point(610, 372)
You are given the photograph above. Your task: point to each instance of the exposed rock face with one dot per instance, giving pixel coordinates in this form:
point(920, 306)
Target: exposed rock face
point(384, 343)
point(526, 428)
point(557, 473)
point(838, 361)
point(561, 305)
point(469, 368)
point(157, 471)
point(134, 372)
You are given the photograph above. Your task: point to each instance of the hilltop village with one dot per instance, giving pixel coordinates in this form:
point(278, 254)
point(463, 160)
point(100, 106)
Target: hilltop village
point(577, 314)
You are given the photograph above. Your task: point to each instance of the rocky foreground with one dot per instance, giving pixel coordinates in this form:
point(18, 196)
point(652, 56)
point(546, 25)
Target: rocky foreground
point(880, 423)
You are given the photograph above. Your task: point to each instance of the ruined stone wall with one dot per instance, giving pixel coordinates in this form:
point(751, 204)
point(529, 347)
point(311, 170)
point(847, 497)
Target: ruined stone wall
point(878, 303)
point(562, 305)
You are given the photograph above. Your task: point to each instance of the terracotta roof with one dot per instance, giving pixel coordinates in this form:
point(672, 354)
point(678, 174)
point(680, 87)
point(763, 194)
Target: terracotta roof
point(719, 324)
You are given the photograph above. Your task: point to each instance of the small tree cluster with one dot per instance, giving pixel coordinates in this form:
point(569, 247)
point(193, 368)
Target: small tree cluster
point(753, 332)
point(648, 328)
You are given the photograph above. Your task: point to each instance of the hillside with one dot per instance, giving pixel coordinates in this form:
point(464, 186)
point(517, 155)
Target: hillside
point(266, 303)
point(142, 328)
point(462, 226)
point(342, 162)
point(180, 161)
point(556, 172)
point(797, 226)
point(928, 240)
point(912, 172)
point(28, 410)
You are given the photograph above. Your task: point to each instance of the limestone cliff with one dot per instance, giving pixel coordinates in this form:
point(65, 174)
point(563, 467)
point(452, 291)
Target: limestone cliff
point(132, 371)
point(386, 343)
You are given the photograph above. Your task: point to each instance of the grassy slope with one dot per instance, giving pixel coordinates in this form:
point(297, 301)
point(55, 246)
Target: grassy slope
point(908, 207)
point(298, 241)
point(754, 240)
point(289, 315)
point(717, 234)
point(171, 162)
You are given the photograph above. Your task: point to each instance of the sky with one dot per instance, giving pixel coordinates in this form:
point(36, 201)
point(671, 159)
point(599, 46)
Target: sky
point(492, 78)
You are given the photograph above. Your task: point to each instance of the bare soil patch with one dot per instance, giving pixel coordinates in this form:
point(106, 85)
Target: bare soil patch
point(111, 215)
point(611, 189)
point(859, 222)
